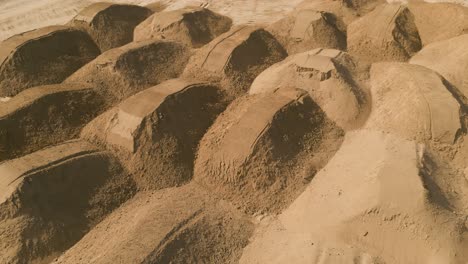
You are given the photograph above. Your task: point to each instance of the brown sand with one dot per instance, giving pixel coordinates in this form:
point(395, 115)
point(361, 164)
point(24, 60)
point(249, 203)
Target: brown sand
point(124, 71)
point(329, 77)
point(43, 56)
point(307, 29)
point(387, 33)
point(194, 26)
point(51, 198)
point(155, 132)
point(110, 25)
point(175, 225)
point(262, 150)
point(235, 58)
point(450, 59)
point(252, 156)
point(45, 115)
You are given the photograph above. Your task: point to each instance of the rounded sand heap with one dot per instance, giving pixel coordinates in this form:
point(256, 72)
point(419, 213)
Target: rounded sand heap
point(333, 132)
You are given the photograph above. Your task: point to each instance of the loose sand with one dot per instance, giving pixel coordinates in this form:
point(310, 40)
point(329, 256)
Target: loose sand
point(316, 131)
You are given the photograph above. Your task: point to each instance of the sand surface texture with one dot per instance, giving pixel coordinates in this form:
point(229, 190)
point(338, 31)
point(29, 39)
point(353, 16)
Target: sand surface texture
point(243, 131)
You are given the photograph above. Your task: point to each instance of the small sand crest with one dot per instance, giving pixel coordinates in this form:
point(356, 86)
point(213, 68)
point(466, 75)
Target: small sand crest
point(155, 132)
point(388, 33)
point(110, 25)
point(235, 58)
point(329, 76)
point(379, 201)
point(43, 56)
point(194, 26)
point(174, 225)
point(45, 115)
point(263, 149)
point(121, 72)
point(307, 29)
point(51, 198)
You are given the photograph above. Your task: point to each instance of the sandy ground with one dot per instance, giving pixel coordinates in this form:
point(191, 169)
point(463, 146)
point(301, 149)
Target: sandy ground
point(17, 16)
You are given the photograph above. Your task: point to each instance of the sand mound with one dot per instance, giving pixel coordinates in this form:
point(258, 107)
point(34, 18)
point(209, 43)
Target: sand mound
point(439, 21)
point(110, 25)
point(124, 71)
point(413, 102)
point(51, 198)
point(43, 56)
point(262, 150)
point(235, 58)
point(194, 26)
point(156, 132)
point(157, 6)
point(308, 29)
point(170, 226)
point(382, 202)
point(387, 33)
point(344, 11)
point(326, 75)
point(45, 115)
point(450, 59)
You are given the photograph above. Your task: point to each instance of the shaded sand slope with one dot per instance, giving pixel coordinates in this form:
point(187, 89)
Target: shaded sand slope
point(45, 115)
point(263, 149)
point(155, 133)
point(413, 102)
point(121, 72)
point(329, 76)
point(110, 25)
point(393, 217)
point(175, 225)
point(51, 198)
point(235, 58)
point(194, 26)
point(450, 59)
point(44, 56)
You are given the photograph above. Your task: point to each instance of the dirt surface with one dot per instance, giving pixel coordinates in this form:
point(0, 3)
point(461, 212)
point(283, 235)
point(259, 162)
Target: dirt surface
point(321, 131)
point(124, 71)
point(51, 198)
point(44, 56)
point(387, 33)
point(235, 58)
point(331, 78)
point(45, 115)
point(155, 132)
point(110, 25)
point(194, 26)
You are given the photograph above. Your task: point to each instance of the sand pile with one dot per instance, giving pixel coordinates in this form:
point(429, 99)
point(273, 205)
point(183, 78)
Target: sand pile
point(450, 59)
point(45, 115)
point(344, 11)
point(413, 102)
point(234, 152)
point(439, 21)
point(157, 6)
point(155, 133)
point(327, 75)
point(355, 207)
point(121, 72)
point(387, 33)
point(307, 29)
point(110, 25)
point(175, 225)
point(235, 58)
point(194, 26)
point(43, 56)
point(51, 198)
point(262, 150)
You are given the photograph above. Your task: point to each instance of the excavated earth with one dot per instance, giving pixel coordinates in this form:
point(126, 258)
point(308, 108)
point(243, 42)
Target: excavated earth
point(149, 134)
